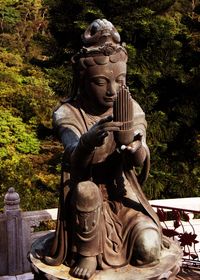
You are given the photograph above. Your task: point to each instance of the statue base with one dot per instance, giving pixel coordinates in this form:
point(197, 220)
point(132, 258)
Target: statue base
point(167, 268)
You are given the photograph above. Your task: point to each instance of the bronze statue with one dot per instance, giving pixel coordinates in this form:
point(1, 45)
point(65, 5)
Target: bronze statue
point(104, 220)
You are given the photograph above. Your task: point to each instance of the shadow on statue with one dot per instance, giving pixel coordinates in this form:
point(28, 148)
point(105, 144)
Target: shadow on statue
point(105, 223)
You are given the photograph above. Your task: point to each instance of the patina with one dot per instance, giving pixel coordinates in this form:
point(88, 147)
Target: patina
point(104, 220)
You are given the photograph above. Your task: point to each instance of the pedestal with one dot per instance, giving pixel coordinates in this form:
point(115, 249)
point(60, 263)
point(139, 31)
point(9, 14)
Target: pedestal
point(167, 268)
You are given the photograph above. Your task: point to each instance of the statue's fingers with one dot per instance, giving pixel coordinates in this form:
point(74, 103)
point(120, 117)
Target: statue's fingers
point(104, 134)
point(134, 146)
point(111, 128)
point(105, 120)
point(111, 124)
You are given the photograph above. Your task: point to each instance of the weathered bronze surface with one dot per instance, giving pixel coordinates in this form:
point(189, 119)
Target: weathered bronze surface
point(104, 220)
point(166, 268)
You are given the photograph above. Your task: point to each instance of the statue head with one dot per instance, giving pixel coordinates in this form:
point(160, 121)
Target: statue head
point(100, 66)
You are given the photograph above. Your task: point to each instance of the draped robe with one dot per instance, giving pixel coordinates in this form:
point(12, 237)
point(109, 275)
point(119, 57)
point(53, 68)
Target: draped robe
point(126, 211)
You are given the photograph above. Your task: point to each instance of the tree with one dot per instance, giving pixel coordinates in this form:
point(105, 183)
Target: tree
point(159, 38)
point(37, 41)
point(26, 108)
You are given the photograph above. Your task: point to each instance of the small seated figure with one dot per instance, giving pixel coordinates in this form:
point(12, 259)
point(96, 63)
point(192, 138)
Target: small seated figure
point(104, 220)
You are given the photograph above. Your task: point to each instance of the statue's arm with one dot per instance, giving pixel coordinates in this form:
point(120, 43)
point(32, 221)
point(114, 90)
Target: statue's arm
point(139, 146)
point(80, 146)
point(83, 153)
point(77, 154)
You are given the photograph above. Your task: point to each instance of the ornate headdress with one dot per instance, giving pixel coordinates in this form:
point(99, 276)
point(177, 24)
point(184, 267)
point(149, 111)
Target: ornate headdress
point(101, 44)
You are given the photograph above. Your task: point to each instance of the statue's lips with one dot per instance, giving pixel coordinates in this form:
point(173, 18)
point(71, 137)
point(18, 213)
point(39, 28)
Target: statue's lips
point(109, 99)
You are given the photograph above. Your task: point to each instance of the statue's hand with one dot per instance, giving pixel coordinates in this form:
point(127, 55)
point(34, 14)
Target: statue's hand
point(99, 131)
point(134, 153)
point(134, 146)
point(131, 148)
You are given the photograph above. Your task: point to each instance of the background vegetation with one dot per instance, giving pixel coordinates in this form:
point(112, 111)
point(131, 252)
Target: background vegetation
point(37, 40)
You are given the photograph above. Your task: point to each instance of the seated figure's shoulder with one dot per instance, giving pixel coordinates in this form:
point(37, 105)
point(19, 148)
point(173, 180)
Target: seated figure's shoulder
point(140, 124)
point(67, 115)
point(137, 108)
point(139, 114)
point(62, 111)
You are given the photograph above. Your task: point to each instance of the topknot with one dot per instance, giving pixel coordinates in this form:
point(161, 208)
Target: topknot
point(100, 39)
point(100, 32)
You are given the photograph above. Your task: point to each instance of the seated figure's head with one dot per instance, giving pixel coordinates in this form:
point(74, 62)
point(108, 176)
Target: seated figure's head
point(100, 66)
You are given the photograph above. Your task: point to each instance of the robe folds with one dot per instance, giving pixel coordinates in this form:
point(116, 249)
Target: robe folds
point(125, 211)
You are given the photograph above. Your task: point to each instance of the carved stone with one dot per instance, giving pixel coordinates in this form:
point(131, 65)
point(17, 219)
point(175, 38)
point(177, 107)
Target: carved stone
point(13, 232)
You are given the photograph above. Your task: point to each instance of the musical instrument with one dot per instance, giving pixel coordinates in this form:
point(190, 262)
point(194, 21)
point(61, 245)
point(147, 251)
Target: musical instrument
point(123, 112)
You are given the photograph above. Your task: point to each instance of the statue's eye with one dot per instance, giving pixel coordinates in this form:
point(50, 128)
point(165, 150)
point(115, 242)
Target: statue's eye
point(120, 79)
point(99, 81)
point(121, 82)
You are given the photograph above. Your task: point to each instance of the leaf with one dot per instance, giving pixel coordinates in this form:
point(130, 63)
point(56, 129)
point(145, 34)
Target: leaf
point(161, 214)
point(176, 215)
point(176, 224)
point(186, 217)
point(187, 239)
point(170, 232)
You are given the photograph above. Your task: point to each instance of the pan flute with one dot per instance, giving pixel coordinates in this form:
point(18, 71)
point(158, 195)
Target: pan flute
point(123, 112)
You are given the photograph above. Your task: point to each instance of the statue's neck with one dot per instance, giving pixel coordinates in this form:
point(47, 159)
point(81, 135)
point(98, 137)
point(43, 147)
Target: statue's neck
point(89, 108)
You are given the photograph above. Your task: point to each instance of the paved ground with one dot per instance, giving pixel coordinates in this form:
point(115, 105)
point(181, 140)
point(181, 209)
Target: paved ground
point(26, 276)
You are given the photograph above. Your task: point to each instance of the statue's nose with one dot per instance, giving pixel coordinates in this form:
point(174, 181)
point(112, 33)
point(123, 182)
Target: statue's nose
point(112, 89)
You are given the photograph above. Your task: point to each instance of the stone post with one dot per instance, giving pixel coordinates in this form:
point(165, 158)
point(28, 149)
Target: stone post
point(14, 232)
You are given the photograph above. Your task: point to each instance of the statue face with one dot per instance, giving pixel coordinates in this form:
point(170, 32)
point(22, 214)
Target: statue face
point(102, 83)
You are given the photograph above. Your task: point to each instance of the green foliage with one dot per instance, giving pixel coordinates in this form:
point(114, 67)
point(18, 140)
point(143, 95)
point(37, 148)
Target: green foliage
point(25, 88)
point(37, 40)
point(18, 142)
point(60, 80)
point(21, 22)
point(27, 102)
point(68, 26)
point(18, 172)
point(9, 15)
point(15, 136)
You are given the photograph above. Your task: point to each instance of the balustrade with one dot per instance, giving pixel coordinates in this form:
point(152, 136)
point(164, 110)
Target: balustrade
point(180, 219)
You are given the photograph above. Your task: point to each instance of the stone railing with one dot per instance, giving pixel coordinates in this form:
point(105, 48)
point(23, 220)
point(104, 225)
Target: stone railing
point(18, 228)
point(17, 233)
